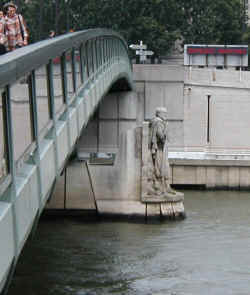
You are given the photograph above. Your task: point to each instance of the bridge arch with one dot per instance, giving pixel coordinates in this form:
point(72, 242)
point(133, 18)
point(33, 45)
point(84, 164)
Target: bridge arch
point(49, 90)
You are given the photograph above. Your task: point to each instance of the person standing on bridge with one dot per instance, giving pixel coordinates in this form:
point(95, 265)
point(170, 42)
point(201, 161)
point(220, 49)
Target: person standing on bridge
point(3, 39)
point(15, 26)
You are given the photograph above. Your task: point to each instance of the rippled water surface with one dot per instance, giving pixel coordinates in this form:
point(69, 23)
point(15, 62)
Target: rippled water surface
point(207, 253)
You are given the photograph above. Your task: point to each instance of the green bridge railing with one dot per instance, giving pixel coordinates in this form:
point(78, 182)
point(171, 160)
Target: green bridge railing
point(38, 84)
point(48, 91)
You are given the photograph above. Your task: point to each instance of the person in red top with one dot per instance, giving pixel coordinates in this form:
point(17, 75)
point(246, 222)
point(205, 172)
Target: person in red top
point(15, 28)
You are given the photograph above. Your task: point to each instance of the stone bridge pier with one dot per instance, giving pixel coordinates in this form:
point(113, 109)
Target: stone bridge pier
point(104, 173)
point(114, 187)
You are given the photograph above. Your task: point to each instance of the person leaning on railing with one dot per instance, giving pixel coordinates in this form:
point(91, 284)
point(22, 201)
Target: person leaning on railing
point(15, 27)
point(3, 39)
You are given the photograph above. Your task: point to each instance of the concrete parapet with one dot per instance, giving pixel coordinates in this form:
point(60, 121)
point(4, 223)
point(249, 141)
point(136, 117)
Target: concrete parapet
point(214, 77)
point(7, 245)
point(159, 72)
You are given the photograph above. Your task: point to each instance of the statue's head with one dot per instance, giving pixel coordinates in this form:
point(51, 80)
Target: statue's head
point(161, 112)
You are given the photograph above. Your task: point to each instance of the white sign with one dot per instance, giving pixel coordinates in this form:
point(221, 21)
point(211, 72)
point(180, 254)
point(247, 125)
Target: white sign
point(141, 52)
point(134, 46)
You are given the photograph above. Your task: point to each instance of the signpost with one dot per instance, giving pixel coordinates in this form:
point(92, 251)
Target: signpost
point(137, 46)
point(141, 51)
point(148, 52)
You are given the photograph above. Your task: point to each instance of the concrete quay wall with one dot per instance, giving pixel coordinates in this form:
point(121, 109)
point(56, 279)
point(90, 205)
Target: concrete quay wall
point(209, 121)
point(208, 110)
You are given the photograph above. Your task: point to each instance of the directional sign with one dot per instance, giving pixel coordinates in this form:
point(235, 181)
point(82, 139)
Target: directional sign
point(136, 46)
point(141, 52)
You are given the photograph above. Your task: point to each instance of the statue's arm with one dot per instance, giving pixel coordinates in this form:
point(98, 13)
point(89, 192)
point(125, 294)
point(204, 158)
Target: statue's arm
point(161, 132)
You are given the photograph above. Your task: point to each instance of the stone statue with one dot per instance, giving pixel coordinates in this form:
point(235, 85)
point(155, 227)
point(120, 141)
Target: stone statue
point(155, 170)
point(158, 146)
point(158, 184)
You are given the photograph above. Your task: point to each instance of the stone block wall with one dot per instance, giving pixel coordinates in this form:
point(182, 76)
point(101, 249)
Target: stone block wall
point(217, 111)
point(208, 109)
point(162, 85)
point(116, 114)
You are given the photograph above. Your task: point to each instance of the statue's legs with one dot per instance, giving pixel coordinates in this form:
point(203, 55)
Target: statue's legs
point(167, 186)
point(161, 173)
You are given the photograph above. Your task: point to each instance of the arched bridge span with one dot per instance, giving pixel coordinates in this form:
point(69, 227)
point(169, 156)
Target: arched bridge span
point(48, 92)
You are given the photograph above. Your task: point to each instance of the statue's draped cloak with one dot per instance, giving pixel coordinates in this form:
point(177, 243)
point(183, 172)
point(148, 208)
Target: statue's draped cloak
point(158, 147)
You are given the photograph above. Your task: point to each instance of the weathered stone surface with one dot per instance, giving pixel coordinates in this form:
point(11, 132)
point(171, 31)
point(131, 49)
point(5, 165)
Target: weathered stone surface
point(173, 210)
point(164, 198)
point(119, 207)
point(178, 208)
point(153, 210)
point(167, 209)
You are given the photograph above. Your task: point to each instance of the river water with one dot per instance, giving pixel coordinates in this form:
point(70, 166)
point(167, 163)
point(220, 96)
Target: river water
point(207, 253)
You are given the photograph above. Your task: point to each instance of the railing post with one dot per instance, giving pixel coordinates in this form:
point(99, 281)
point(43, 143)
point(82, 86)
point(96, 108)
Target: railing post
point(64, 79)
point(102, 51)
point(35, 132)
point(8, 130)
point(82, 64)
point(92, 57)
point(33, 106)
point(11, 162)
point(52, 112)
point(65, 92)
point(73, 64)
point(87, 57)
point(96, 54)
point(110, 50)
point(50, 89)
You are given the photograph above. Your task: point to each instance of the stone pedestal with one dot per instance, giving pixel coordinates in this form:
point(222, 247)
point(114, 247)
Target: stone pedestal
point(166, 207)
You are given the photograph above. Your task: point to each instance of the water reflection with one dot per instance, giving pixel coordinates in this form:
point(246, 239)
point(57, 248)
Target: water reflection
point(205, 254)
